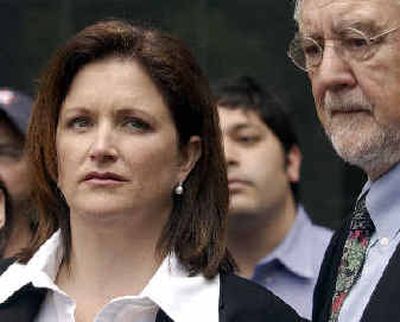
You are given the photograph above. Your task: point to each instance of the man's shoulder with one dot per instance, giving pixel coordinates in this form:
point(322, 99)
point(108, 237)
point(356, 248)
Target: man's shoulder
point(314, 237)
point(317, 229)
point(321, 232)
point(243, 300)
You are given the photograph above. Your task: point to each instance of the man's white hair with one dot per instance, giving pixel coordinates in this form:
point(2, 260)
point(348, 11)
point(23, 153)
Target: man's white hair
point(297, 8)
point(296, 14)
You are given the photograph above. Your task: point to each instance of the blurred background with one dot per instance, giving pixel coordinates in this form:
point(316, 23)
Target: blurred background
point(228, 37)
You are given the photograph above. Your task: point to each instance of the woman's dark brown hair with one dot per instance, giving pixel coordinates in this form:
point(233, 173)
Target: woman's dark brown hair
point(195, 230)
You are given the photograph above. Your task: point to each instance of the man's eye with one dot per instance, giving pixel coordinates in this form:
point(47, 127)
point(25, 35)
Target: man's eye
point(354, 43)
point(10, 152)
point(248, 139)
point(311, 49)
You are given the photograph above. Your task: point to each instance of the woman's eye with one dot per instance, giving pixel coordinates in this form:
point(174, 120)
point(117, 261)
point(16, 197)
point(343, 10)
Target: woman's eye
point(135, 123)
point(79, 123)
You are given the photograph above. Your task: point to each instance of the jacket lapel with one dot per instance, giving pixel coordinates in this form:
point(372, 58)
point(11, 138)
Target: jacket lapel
point(383, 304)
point(323, 292)
point(162, 317)
point(23, 306)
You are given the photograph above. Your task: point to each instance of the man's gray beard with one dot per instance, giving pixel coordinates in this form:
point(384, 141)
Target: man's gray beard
point(375, 150)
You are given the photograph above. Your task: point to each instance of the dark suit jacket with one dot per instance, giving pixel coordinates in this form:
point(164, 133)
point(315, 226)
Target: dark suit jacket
point(384, 302)
point(240, 301)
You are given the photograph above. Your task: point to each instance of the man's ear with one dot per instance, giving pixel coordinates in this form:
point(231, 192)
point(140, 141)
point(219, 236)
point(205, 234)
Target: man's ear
point(190, 154)
point(293, 164)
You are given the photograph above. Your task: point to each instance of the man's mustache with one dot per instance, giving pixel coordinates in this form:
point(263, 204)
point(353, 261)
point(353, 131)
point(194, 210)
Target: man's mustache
point(347, 102)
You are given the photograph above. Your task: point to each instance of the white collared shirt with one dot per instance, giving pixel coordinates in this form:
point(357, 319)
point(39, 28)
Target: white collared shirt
point(181, 297)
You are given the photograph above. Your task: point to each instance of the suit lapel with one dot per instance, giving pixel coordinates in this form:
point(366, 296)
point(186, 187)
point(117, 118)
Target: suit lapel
point(162, 317)
point(383, 304)
point(323, 292)
point(23, 306)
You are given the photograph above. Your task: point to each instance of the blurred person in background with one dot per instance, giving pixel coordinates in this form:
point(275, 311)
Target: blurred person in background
point(270, 234)
point(130, 183)
point(3, 206)
point(15, 109)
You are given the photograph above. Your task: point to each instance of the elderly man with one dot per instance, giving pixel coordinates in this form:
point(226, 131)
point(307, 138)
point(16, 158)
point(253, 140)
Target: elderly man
point(351, 52)
point(270, 234)
point(16, 224)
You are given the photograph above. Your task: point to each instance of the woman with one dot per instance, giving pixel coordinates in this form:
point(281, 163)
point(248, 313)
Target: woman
point(127, 161)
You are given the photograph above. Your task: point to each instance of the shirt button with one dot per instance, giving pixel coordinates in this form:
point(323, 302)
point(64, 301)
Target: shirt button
point(384, 241)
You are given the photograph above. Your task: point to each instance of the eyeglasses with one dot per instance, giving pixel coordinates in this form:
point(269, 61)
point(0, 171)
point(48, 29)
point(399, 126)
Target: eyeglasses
point(10, 153)
point(352, 44)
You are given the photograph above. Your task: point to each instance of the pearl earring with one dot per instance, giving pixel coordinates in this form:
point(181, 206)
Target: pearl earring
point(179, 189)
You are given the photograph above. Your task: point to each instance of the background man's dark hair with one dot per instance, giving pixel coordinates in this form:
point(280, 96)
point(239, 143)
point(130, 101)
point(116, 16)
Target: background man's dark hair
point(245, 93)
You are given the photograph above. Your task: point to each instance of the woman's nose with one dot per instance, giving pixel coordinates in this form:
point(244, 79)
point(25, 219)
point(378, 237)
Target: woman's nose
point(103, 147)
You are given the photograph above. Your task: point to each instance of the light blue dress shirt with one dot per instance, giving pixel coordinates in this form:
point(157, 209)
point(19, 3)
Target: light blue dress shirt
point(291, 270)
point(383, 205)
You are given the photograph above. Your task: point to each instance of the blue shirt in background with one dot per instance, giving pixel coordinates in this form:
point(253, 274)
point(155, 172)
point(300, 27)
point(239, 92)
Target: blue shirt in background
point(291, 270)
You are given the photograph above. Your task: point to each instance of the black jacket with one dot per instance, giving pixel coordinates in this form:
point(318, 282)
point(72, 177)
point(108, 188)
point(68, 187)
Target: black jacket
point(240, 301)
point(384, 302)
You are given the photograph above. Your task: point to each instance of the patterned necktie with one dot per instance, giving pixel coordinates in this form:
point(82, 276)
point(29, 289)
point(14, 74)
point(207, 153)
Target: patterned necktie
point(361, 229)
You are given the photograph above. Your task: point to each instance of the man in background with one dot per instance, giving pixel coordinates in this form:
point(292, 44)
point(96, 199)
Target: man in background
point(270, 234)
point(16, 231)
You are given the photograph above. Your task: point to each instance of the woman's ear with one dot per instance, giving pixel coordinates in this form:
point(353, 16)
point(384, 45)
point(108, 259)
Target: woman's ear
point(190, 154)
point(293, 164)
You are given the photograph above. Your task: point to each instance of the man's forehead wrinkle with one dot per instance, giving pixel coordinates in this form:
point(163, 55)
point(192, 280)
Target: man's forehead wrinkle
point(308, 23)
point(344, 15)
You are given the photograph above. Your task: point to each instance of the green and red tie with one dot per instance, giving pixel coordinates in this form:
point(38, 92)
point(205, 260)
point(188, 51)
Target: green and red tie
point(355, 248)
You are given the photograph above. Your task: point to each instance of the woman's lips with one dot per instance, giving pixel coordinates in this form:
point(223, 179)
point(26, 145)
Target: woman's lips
point(104, 178)
point(236, 185)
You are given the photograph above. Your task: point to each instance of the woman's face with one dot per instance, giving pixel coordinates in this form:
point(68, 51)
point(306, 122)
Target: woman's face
point(117, 145)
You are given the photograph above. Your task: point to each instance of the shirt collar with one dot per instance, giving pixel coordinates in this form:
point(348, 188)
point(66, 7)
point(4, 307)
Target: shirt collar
point(180, 296)
point(295, 252)
point(383, 202)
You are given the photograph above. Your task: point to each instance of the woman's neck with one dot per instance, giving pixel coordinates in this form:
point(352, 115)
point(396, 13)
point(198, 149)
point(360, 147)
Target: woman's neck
point(110, 258)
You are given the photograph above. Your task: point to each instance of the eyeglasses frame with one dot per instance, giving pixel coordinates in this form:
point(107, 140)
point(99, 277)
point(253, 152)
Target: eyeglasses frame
point(369, 40)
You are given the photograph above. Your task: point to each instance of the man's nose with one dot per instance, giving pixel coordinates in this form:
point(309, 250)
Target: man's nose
point(334, 73)
point(231, 153)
